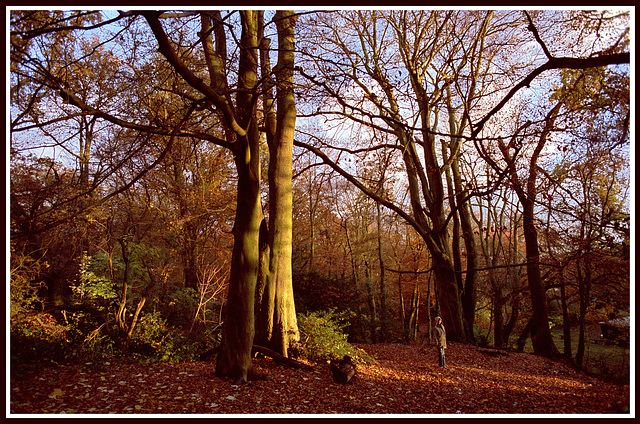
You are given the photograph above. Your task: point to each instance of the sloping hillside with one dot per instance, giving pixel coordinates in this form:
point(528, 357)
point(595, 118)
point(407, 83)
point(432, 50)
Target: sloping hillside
point(405, 380)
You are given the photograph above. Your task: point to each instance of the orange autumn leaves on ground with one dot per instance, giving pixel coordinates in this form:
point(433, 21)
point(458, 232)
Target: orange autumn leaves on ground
point(405, 380)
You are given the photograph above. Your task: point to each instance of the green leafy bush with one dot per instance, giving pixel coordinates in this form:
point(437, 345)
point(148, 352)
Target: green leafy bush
point(181, 307)
point(87, 330)
point(25, 282)
point(39, 337)
point(322, 337)
point(482, 335)
point(150, 329)
point(156, 340)
point(94, 286)
point(34, 335)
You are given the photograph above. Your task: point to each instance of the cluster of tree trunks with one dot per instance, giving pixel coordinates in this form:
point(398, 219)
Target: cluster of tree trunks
point(260, 276)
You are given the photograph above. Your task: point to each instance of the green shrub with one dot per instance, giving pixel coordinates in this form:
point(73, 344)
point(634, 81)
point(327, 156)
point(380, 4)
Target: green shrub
point(150, 329)
point(322, 337)
point(155, 340)
point(179, 346)
point(25, 282)
point(181, 307)
point(482, 336)
point(38, 337)
point(34, 335)
point(89, 335)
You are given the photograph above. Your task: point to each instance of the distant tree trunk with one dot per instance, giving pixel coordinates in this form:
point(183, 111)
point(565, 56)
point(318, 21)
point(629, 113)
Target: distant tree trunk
point(540, 333)
point(312, 234)
point(488, 249)
point(187, 231)
point(513, 298)
point(566, 322)
point(498, 320)
point(584, 286)
point(189, 256)
point(122, 296)
point(354, 266)
point(448, 296)
point(524, 335)
point(383, 289)
point(511, 323)
point(543, 343)
point(412, 319)
point(428, 303)
point(372, 304)
point(403, 316)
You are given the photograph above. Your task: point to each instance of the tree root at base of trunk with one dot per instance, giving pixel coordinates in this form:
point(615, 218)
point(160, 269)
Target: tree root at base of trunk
point(281, 359)
point(253, 374)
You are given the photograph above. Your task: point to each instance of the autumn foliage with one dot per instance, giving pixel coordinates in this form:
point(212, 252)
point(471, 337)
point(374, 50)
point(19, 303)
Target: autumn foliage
point(405, 379)
point(186, 185)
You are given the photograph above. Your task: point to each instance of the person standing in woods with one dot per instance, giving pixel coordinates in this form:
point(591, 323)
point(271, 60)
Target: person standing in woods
point(441, 340)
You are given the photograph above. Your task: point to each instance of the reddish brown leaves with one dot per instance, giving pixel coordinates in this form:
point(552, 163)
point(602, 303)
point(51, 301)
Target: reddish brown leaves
point(406, 380)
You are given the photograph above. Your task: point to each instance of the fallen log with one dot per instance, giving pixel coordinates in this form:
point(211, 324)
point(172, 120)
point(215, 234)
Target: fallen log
point(209, 353)
point(265, 351)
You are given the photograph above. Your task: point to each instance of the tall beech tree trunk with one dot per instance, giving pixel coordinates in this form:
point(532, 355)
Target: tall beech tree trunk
point(234, 359)
point(281, 307)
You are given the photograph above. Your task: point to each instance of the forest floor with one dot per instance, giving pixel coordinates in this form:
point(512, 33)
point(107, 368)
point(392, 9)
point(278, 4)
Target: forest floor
point(406, 379)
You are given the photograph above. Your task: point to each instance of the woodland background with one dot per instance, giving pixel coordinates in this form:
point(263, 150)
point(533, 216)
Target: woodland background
point(470, 164)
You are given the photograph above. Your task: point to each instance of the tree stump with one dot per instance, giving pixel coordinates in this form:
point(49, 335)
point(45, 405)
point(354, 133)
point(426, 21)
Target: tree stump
point(343, 370)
